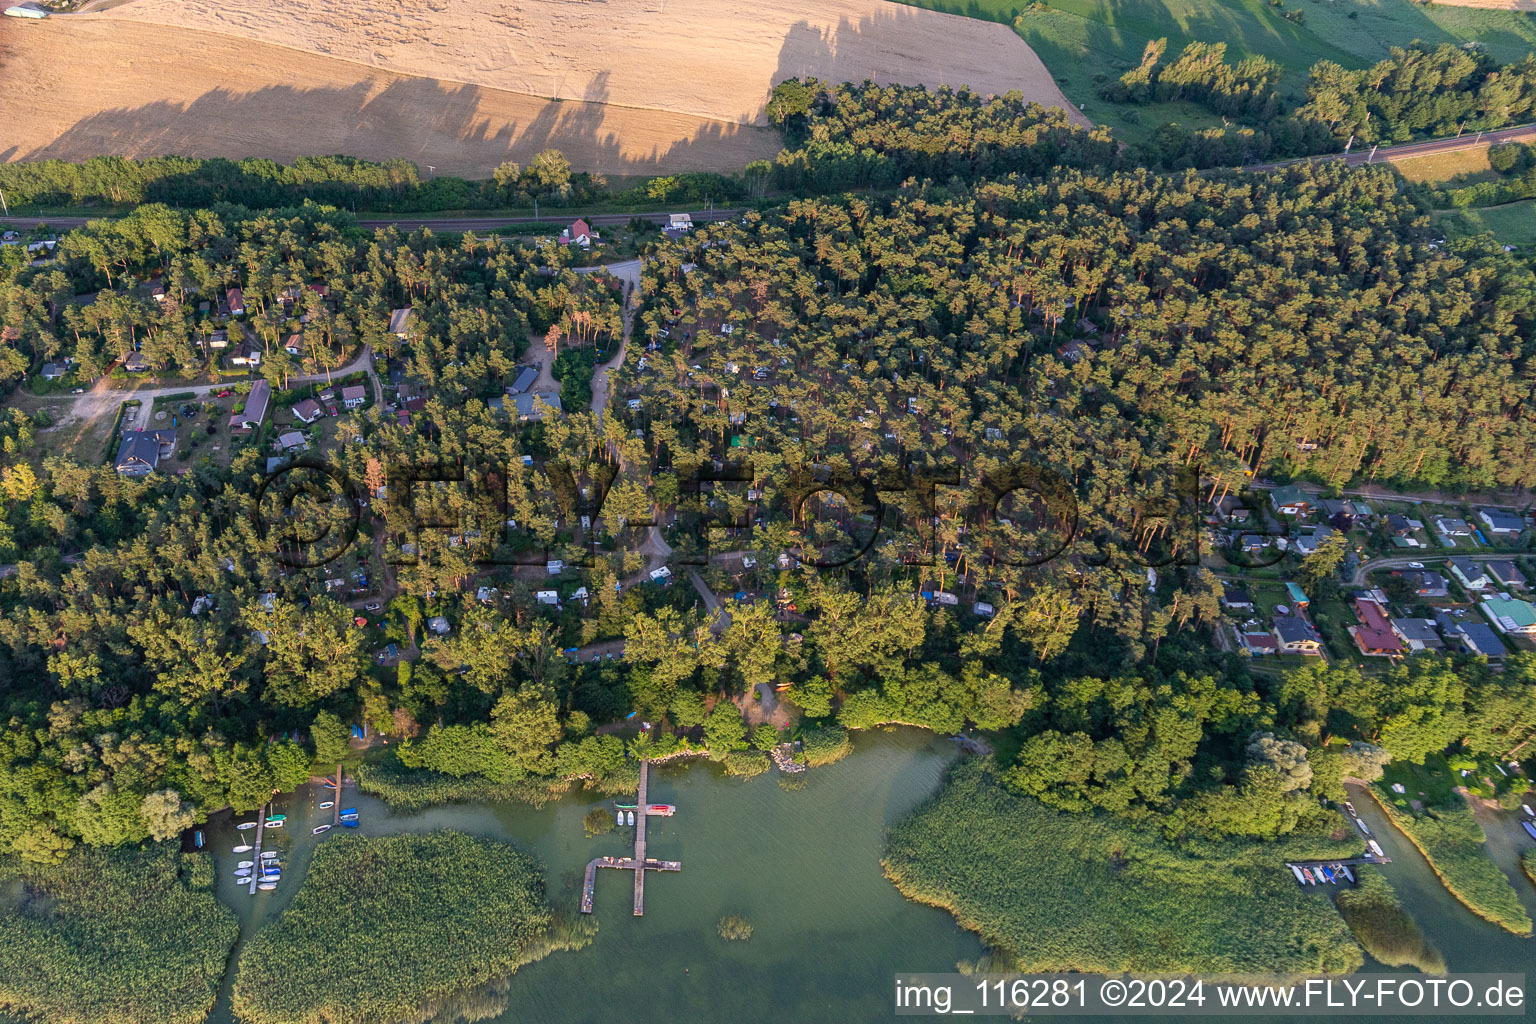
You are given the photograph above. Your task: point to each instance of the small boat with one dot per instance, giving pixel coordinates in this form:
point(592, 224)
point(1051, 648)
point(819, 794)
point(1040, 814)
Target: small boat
point(274, 824)
point(267, 886)
point(349, 824)
point(1328, 874)
point(245, 825)
point(664, 810)
point(242, 848)
point(1364, 829)
point(320, 828)
point(326, 805)
point(629, 817)
point(276, 817)
point(1349, 807)
point(1375, 847)
point(619, 817)
point(1527, 809)
point(1297, 871)
point(246, 864)
point(197, 839)
point(1347, 873)
point(1308, 873)
point(1530, 829)
point(243, 873)
point(348, 810)
point(269, 855)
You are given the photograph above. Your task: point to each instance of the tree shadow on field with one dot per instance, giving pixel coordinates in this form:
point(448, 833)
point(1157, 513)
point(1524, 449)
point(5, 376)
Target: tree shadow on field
point(457, 129)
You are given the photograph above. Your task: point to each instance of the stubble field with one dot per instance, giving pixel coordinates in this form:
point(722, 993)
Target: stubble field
point(623, 87)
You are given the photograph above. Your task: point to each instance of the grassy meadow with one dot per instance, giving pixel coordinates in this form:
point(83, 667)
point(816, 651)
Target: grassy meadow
point(105, 937)
point(1065, 892)
point(1086, 42)
point(1511, 224)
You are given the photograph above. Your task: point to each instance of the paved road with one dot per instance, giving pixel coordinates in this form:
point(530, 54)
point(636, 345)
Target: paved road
point(555, 220)
point(1504, 501)
point(1404, 561)
point(1362, 156)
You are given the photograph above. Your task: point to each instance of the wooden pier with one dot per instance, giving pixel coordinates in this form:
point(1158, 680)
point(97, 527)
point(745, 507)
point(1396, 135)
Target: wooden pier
point(639, 863)
point(261, 824)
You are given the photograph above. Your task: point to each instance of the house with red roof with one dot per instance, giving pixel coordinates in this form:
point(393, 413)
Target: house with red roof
point(580, 233)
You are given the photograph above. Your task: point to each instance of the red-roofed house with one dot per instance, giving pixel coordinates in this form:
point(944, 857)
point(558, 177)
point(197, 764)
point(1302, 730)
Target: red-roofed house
point(1375, 636)
point(579, 233)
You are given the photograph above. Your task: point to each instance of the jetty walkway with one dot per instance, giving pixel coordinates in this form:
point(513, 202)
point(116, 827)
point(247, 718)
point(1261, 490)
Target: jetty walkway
point(639, 863)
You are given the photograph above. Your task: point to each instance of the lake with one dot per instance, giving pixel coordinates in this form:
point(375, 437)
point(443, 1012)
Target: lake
point(830, 933)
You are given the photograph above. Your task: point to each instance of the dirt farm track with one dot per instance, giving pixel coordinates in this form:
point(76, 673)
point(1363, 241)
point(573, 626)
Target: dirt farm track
point(620, 86)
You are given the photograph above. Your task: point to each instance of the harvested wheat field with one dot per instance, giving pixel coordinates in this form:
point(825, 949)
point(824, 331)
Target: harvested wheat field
point(716, 59)
point(143, 90)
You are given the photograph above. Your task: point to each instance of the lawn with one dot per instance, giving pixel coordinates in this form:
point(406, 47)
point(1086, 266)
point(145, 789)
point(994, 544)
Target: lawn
point(1511, 224)
point(1085, 42)
point(1439, 167)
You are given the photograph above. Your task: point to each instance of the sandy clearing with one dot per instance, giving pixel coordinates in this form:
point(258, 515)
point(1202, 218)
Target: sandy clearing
point(715, 59)
point(122, 88)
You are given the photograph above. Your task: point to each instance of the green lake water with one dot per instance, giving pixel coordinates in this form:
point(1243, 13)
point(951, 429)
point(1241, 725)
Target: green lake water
point(830, 932)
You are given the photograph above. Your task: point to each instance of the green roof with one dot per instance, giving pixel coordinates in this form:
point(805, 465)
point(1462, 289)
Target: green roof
point(1282, 496)
point(1518, 613)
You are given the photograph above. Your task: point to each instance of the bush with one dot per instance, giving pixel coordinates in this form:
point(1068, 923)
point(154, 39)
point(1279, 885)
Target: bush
point(824, 744)
point(598, 821)
point(746, 763)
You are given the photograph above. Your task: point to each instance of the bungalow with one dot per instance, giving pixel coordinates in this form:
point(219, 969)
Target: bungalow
point(1418, 634)
point(1510, 615)
point(1291, 501)
point(680, 221)
point(1349, 513)
point(1374, 636)
point(1310, 543)
point(1234, 599)
point(580, 233)
point(1232, 510)
point(1470, 574)
point(1399, 525)
point(219, 339)
point(525, 378)
point(1505, 574)
point(1295, 635)
point(245, 354)
point(353, 395)
point(1426, 584)
point(438, 625)
point(400, 322)
point(141, 451)
point(528, 406)
point(1253, 543)
point(1476, 638)
point(292, 441)
point(294, 344)
point(136, 363)
point(1501, 523)
point(251, 417)
point(1258, 643)
point(157, 290)
point(234, 299)
point(1450, 526)
point(53, 371)
point(307, 411)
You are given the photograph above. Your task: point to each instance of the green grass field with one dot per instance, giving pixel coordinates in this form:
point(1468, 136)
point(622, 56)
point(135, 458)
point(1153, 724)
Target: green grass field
point(1086, 42)
point(1512, 223)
